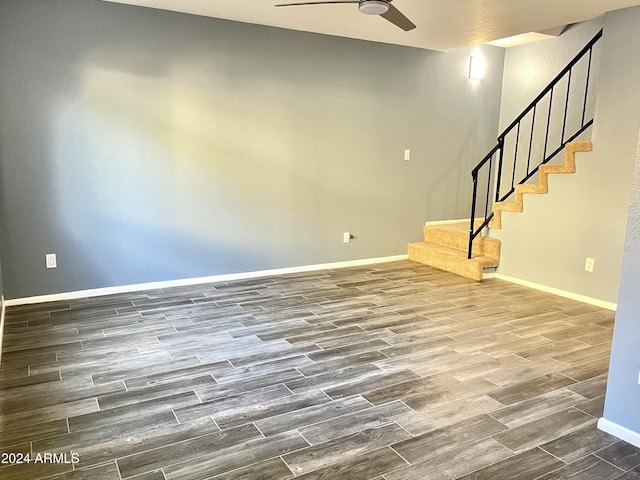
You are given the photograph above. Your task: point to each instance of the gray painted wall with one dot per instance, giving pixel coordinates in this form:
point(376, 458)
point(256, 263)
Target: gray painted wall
point(2, 309)
point(584, 215)
point(142, 145)
point(623, 97)
point(623, 391)
point(530, 67)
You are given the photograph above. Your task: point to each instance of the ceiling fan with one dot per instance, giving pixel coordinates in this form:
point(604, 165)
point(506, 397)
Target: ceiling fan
point(370, 7)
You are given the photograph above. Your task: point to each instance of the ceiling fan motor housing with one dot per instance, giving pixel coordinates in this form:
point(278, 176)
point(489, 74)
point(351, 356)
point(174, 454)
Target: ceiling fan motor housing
point(382, 8)
point(374, 7)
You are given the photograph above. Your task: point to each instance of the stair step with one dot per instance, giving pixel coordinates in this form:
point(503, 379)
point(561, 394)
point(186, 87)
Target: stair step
point(558, 168)
point(451, 259)
point(508, 206)
point(456, 236)
point(535, 188)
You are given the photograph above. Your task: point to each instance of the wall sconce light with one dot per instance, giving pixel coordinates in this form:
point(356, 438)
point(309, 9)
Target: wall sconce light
point(476, 67)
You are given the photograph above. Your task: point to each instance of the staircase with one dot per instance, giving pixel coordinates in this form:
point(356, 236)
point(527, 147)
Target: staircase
point(542, 187)
point(445, 247)
point(524, 149)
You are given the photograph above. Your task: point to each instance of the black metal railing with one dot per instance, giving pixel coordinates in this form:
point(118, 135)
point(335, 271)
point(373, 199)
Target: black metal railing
point(557, 116)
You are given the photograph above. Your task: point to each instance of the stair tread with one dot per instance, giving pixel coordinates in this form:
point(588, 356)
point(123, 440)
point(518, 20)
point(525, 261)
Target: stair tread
point(457, 232)
point(484, 260)
point(508, 207)
point(531, 188)
point(455, 227)
point(456, 236)
point(558, 168)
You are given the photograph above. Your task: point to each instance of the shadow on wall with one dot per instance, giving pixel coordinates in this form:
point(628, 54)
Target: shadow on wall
point(213, 170)
point(251, 143)
point(454, 185)
point(135, 253)
point(145, 163)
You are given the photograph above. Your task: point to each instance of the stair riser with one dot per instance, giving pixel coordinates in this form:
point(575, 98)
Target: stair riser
point(460, 241)
point(461, 267)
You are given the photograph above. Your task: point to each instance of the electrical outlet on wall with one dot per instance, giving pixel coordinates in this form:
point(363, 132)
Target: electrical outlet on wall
point(588, 264)
point(51, 260)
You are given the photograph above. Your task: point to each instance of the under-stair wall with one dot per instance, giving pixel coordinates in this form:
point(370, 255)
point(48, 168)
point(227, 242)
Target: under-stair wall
point(584, 214)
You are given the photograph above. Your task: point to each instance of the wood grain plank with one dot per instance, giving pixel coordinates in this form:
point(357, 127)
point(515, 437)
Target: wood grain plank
point(344, 448)
point(231, 458)
point(386, 362)
point(360, 467)
point(184, 451)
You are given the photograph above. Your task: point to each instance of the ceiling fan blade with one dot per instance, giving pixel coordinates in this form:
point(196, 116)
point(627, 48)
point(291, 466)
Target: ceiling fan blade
point(313, 3)
point(396, 17)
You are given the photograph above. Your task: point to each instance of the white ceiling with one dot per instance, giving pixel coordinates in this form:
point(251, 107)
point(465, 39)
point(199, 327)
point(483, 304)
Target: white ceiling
point(442, 24)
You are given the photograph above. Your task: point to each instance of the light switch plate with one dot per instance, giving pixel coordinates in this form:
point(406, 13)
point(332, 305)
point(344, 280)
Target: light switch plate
point(51, 260)
point(588, 264)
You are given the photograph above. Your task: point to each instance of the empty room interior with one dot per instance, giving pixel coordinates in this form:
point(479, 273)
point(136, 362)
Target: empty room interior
point(363, 240)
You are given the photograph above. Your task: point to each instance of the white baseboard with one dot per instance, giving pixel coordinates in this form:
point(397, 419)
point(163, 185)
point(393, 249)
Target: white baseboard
point(619, 431)
point(561, 293)
point(197, 281)
point(2, 308)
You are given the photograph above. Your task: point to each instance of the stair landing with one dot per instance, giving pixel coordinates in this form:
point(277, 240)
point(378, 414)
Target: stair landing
point(445, 247)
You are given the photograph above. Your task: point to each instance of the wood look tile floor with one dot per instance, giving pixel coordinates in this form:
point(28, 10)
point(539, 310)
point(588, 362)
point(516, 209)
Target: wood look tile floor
point(395, 371)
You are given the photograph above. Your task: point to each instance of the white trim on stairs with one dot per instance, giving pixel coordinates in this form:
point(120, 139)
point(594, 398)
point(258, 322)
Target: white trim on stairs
point(196, 281)
point(561, 293)
point(619, 431)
